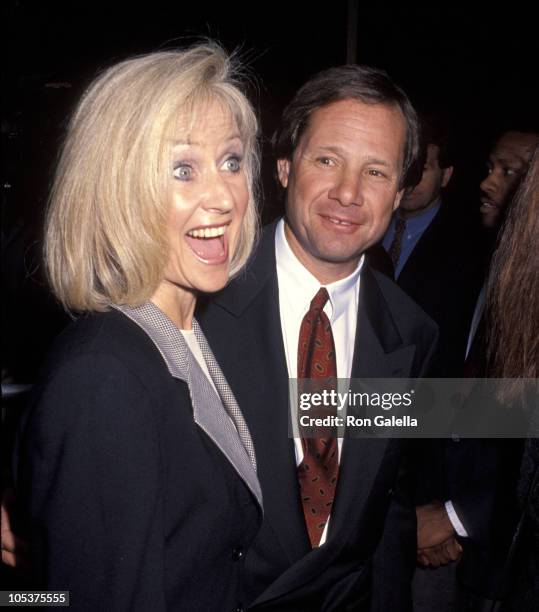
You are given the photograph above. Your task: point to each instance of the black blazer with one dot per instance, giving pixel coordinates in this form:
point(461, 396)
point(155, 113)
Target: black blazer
point(126, 501)
point(394, 339)
point(444, 274)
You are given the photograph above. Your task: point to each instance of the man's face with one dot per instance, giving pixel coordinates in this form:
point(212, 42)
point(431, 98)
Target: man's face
point(507, 164)
point(427, 191)
point(342, 184)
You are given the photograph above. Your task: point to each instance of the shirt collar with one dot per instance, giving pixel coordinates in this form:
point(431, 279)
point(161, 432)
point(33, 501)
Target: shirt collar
point(420, 222)
point(302, 286)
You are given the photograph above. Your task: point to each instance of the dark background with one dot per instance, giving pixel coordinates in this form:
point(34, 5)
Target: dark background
point(478, 62)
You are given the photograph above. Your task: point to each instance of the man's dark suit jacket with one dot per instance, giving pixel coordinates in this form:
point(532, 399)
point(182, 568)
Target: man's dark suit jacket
point(165, 517)
point(444, 274)
point(394, 339)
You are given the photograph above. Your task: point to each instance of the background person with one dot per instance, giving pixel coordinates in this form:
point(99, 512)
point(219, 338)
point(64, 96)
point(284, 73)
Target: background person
point(507, 165)
point(513, 350)
point(479, 474)
point(434, 255)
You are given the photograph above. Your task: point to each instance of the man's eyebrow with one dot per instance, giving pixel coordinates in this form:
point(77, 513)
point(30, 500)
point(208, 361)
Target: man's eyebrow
point(338, 150)
point(378, 162)
point(330, 149)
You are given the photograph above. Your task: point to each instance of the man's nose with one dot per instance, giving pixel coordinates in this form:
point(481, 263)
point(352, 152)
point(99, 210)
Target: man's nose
point(347, 189)
point(489, 184)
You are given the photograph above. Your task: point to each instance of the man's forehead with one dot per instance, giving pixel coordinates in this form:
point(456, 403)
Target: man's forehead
point(357, 104)
point(351, 116)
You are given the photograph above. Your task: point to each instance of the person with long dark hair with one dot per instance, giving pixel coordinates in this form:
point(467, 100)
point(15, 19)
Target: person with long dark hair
point(513, 353)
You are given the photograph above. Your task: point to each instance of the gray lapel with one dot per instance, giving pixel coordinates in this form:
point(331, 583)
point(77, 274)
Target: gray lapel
point(218, 415)
point(225, 393)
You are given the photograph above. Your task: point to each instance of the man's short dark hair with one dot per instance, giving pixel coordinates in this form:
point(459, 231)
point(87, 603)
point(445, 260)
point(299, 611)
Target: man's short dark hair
point(350, 82)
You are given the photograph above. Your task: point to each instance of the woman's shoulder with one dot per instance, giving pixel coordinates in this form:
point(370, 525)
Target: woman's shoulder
point(109, 336)
point(102, 363)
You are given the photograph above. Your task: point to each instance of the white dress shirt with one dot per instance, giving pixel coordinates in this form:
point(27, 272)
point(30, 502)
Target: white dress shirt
point(297, 288)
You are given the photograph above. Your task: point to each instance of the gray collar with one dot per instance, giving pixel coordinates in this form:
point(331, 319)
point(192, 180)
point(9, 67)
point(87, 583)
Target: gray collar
point(219, 416)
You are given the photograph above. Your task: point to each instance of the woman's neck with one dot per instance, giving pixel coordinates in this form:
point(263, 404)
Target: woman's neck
point(177, 303)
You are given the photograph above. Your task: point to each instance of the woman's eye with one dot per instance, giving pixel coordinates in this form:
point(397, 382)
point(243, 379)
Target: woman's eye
point(509, 171)
point(183, 172)
point(233, 164)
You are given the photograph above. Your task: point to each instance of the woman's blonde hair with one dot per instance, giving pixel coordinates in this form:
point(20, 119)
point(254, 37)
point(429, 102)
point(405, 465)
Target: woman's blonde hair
point(105, 232)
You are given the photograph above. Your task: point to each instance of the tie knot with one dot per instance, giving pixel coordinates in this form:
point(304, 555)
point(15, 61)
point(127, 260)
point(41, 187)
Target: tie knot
point(319, 300)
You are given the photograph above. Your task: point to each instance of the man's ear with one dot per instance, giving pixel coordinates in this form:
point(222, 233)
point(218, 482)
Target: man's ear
point(398, 197)
point(283, 169)
point(447, 173)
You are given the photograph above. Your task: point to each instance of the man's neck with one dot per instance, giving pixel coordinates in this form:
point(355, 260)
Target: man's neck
point(411, 214)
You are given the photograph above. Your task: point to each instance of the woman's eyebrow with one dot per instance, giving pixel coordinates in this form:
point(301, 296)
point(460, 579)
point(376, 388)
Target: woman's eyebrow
point(180, 141)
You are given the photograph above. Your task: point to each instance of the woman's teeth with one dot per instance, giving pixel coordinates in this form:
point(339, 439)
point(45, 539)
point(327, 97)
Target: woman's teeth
point(207, 232)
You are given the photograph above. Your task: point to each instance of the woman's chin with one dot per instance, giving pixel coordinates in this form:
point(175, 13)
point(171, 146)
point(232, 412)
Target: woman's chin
point(212, 282)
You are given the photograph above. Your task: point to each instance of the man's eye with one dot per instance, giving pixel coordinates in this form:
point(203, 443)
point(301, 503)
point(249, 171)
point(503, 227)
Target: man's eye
point(183, 172)
point(325, 161)
point(233, 164)
point(376, 173)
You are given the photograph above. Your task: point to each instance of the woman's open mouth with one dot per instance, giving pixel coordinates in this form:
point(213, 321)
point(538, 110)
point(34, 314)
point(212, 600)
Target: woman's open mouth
point(209, 243)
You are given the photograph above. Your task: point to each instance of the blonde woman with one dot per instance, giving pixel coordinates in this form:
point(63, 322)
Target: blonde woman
point(136, 473)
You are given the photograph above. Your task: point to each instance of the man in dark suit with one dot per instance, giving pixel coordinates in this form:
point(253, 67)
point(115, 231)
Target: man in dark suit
point(437, 262)
point(345, 153)
point(436, 256)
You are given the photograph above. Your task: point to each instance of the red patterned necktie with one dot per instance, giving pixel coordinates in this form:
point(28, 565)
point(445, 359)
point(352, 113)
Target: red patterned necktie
point(319, 469)
point(396, 244)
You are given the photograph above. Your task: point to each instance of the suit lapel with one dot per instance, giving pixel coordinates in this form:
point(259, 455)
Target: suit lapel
point(378, 353)
point(209, 415)
point(208, 410)
point(225, 393)
point(259, 377)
